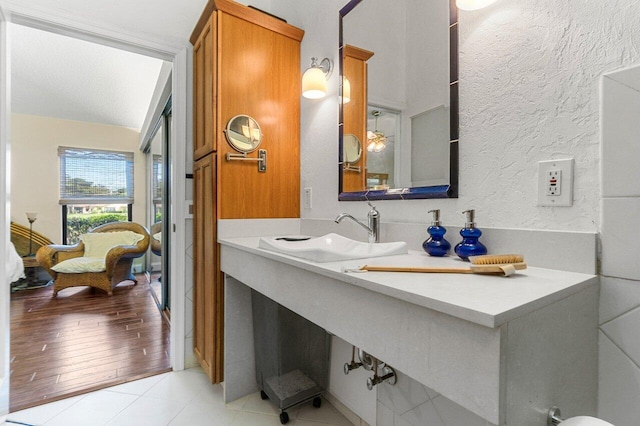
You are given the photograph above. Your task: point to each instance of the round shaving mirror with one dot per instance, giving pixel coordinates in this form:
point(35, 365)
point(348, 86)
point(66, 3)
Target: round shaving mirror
point(351, 149)
point(243, 133)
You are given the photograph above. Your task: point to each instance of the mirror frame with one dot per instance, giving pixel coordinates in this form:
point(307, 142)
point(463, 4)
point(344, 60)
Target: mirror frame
point(421, 192)
point(228, 130)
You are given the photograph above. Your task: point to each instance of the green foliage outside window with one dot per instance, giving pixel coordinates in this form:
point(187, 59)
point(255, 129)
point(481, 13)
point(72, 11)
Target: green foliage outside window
point(81, 223)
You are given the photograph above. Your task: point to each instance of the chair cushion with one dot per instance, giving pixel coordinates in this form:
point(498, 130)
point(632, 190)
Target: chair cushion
point(79, 265)
point(97, 244)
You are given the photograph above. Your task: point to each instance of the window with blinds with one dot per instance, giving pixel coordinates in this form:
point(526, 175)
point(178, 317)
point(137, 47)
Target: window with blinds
point(90, 176)
point(157, 188)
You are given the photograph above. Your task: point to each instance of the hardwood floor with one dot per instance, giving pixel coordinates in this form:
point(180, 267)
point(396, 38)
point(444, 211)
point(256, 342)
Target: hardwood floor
point(83, 340)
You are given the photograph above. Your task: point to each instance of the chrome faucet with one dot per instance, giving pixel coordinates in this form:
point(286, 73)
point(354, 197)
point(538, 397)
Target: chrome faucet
point(374, 223)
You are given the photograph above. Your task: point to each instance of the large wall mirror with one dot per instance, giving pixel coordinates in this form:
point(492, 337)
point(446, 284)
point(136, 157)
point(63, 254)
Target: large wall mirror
point(399, 93)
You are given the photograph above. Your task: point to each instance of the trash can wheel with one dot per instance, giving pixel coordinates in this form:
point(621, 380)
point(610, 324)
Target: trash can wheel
point(284, 418)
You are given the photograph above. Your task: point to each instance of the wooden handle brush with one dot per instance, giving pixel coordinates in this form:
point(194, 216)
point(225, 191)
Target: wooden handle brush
point(498, 264)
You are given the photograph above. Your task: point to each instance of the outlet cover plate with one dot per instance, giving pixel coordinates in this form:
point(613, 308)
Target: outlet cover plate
point(562, 195)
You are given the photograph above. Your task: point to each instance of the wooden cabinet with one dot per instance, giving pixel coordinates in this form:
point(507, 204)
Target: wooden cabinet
point(204, 91)
point(207, 311)
point(355, 113)
point(245, 62)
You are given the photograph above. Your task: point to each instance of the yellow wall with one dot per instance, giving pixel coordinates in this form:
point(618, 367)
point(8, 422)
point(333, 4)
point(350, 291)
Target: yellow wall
point(35, 167)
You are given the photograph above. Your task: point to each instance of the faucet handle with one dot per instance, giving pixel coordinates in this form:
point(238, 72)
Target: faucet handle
point(373, 212)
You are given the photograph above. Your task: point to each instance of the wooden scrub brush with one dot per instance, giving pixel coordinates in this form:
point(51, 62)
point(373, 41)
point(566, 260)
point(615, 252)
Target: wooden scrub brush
point(497, 264)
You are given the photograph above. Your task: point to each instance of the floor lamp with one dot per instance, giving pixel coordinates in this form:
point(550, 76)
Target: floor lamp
point(32, 218)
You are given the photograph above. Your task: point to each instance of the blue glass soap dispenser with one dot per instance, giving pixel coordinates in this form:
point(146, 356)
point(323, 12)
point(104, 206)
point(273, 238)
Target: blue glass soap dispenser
point(470, 246)
point(436, 245)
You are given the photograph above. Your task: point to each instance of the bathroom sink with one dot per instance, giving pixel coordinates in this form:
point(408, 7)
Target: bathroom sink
point(330, 248)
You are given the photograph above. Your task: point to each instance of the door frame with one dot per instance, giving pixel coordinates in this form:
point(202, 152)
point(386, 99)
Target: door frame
point(180, 56)
point(5, 113)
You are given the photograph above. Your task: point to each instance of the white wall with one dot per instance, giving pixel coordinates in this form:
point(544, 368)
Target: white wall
point(35, 168)
point(528, 92)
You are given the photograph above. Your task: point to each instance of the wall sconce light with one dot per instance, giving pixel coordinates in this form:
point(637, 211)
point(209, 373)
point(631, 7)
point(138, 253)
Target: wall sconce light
point(314, 80)
point(473, 4)
point(346, 90)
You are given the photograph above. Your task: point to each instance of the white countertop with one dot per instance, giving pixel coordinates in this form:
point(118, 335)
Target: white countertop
point(483, 299)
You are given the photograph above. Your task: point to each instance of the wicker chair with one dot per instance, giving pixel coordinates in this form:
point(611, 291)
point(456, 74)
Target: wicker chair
point(118, 261)
point(156, 245)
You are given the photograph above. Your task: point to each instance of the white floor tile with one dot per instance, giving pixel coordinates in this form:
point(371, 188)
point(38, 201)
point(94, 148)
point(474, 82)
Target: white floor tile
point(138, 387)
point(255, 404)
point(181, 386)
point(178, 398)
point(325, 414)
point(95, 409)
point(146, 411)
point(195, 414)
point(254, 419)
point(43, 413)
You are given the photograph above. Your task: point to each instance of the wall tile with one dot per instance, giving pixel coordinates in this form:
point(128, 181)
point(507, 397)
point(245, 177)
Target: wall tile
point(617, 296)
point(424, 414)
point(623, 331)
point(454, 415)
point(619, 386)
point(384, 415)
point(620, 243)
point(405, 395)
point(620, 133)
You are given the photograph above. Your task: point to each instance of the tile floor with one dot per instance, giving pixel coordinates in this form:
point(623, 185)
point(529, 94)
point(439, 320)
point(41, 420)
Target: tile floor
point(176, 399)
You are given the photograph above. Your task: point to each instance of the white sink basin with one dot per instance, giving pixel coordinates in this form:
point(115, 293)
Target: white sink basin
point(330, 248)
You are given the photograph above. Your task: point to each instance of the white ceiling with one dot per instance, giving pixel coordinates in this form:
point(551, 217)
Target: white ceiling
point(58, 76)
point(166, 21)
point(62, 77)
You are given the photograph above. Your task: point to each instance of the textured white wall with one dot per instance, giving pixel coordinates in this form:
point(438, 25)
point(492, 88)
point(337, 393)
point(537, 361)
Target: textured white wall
point(528, 92)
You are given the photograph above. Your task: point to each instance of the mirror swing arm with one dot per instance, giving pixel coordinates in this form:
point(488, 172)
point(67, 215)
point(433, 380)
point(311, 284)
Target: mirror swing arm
point(406, 193)
point(261, 158)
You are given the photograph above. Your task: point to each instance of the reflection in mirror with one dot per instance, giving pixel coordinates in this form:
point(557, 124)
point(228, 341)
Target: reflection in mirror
point(403, 98)
point(243, 133)
point(351, 149)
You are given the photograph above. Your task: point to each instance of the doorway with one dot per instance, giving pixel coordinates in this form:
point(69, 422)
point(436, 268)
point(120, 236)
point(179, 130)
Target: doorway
point(157, 150)
point(178, 347)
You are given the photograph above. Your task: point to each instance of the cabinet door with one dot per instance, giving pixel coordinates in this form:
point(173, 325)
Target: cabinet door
point(207, 299)
point(204, 90)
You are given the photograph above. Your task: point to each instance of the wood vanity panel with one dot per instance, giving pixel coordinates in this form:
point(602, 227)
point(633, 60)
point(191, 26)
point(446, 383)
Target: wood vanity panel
point(206, 321)
point(204, 91)
point(355, 113)
point(261, 79)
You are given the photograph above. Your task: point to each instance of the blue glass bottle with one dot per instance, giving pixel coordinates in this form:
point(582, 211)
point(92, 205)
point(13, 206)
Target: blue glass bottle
point(436, 245)
point(470, 246)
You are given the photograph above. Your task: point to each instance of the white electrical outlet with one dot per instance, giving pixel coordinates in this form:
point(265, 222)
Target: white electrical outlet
point(555, 183)
point(308, 193)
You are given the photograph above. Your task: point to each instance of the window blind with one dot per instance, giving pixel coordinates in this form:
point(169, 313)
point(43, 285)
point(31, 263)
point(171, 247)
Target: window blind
point(90, 176)
point(157, 177)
